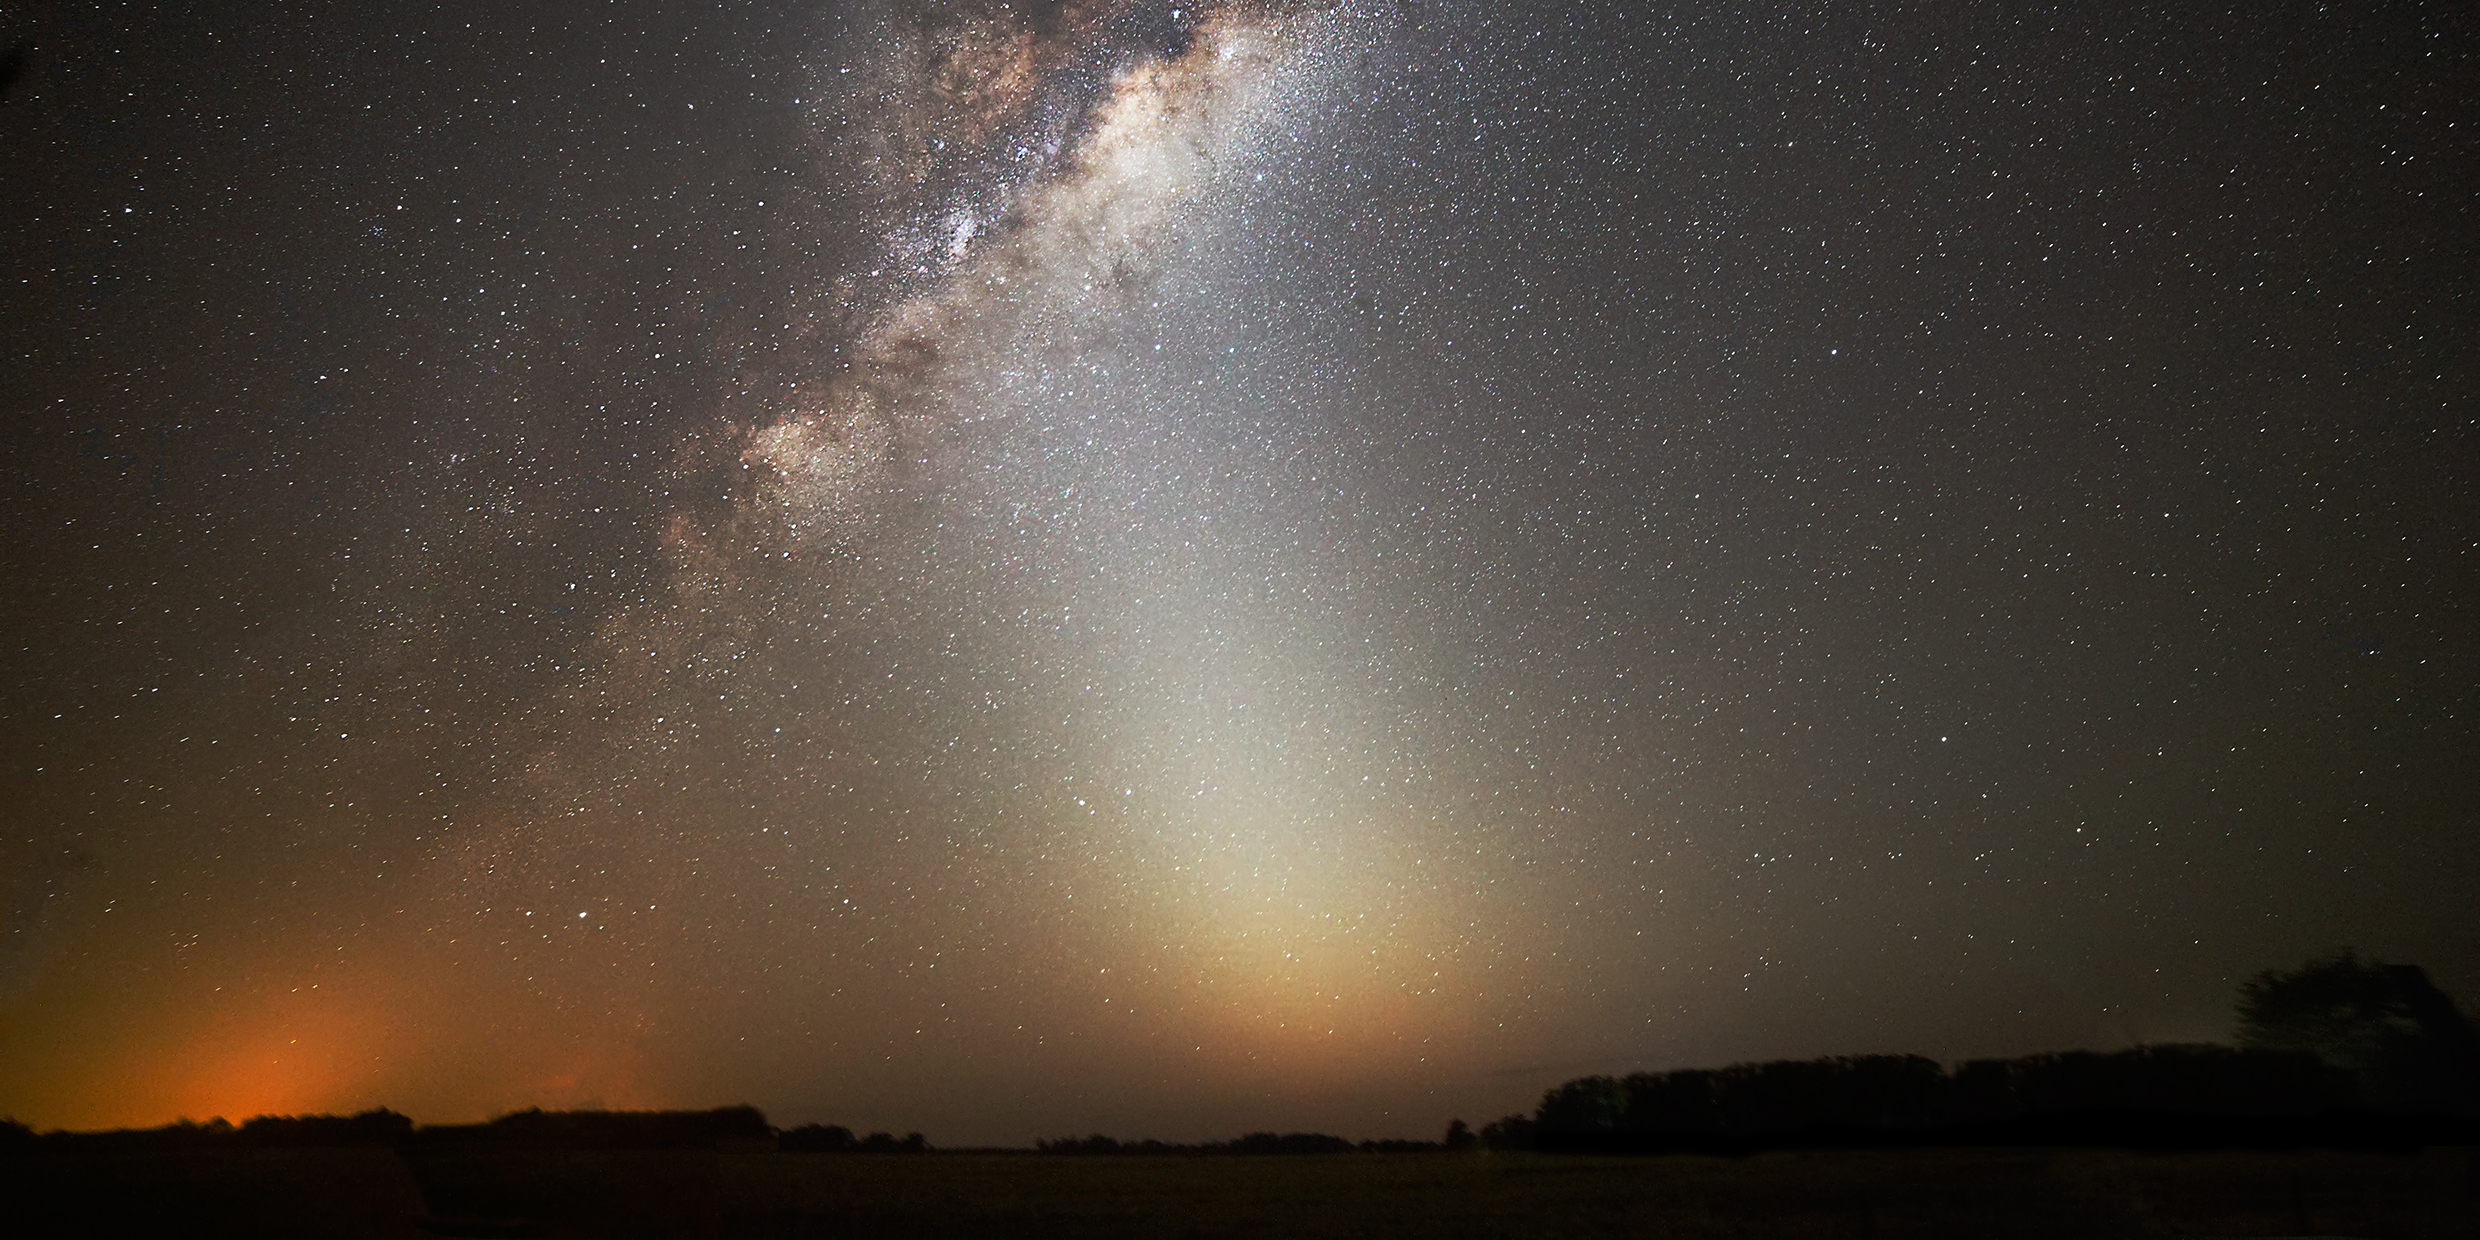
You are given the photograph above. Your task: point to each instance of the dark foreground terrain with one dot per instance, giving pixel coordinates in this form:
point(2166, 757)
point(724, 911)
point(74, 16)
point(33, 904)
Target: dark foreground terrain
point(373, 1191)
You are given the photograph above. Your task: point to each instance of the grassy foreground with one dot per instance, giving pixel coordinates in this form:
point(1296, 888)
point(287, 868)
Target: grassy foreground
point(1821, 1195)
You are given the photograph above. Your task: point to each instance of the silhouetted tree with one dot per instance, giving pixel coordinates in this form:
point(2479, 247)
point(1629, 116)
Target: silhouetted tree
point(1688, 1102)
point(2404, 1040)
point(1867, 1092)
point(816, 1139)
point(1588, 1104)
point(1460, 1137)
point(1509, 1132)
point(1857, 1094)
point(743, 1122)
point(2176, 1080)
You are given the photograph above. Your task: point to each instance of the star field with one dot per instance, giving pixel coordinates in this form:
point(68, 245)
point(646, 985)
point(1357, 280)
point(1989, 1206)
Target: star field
point(1013, 569)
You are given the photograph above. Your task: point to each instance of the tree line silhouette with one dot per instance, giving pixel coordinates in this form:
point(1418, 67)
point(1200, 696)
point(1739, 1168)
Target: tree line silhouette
point(377, 1127)
point(2338, 1052)
point(2147, 1095)
point(723, 1127)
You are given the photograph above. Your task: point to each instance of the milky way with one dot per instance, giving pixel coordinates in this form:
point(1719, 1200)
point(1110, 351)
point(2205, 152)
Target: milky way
point(1013, 569)
point(1085, 577)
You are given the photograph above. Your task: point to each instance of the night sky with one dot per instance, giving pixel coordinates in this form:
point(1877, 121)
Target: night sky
point(1023, 569)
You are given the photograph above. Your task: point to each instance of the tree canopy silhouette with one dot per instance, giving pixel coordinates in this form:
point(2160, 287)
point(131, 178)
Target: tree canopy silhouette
point(2387, 1024)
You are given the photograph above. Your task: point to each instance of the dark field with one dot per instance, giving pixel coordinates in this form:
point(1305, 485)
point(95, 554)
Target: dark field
point(1924, 1193)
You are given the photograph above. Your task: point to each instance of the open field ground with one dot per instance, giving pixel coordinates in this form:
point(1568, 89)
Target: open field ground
point(1810, 1196)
